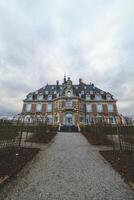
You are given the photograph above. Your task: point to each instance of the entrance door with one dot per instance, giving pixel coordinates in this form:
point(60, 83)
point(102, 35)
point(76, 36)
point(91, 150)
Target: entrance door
point(68, 119)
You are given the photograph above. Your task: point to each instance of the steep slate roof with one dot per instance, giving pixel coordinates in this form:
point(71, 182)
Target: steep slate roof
point(87, 88)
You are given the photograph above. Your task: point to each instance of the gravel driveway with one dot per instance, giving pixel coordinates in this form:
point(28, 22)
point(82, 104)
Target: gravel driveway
point(69, 168)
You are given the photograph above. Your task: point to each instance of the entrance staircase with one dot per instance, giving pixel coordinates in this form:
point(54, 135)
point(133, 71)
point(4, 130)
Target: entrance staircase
point(69, 128)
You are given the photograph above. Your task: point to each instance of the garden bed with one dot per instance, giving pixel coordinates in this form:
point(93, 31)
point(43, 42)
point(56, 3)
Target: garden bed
point(122, 162)
point(97, 139)
point(42, 137)
point(12, 160)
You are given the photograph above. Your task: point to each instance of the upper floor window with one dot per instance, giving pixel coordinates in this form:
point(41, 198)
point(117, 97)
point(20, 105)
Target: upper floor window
point(49, 97)
point(110, 107)
point(88, 97)
point(99, 107)
point(85, 87)
point(30, 97)
point(28, 107)
point(46, 92)
point(49, 107)
point(98, 97)
point(52, 87)
point(55, 92)
point(91, 92)
point(38, 107)
point(69, 94)
point(82, 92)
point(89, 107)
point(108, 97)
point(68, 103)
point(40, 97)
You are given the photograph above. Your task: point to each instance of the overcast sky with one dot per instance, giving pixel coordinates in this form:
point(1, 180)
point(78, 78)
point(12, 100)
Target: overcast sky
point(40, 40)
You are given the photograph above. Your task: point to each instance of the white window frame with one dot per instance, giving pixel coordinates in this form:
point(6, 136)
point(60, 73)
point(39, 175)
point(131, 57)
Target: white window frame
point(110, 107)
point(49, 107)
point(89, 107)
point(28, 107)
point(38, 107)
point(40, 97)
point(98, 97)
point(99, 107)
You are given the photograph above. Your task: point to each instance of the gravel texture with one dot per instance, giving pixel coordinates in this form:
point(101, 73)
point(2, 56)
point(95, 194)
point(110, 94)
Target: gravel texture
point(69, 168)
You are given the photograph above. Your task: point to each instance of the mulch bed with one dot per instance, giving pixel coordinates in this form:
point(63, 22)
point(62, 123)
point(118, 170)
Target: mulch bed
point(42, 138)
point(122, 162)
point(96, 139)
point(12, 160)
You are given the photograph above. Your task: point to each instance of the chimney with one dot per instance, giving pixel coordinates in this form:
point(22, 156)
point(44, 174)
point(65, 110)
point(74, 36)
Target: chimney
point(57, 82)
point(80, 81)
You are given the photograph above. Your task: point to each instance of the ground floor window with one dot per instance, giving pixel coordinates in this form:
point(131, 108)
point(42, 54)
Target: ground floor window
point(112, 120)
point(90, 119)
point(49, 119)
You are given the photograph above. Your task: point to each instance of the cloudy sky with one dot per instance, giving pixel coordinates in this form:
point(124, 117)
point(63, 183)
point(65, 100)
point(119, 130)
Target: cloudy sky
point(41, 40)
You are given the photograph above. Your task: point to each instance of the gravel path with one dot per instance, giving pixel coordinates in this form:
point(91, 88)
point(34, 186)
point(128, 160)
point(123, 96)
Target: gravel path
point(69, 168)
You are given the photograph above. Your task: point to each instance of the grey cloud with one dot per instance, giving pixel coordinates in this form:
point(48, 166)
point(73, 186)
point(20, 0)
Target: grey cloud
point(40, 41)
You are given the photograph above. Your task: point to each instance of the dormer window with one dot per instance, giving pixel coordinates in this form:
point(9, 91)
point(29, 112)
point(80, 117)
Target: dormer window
point(98, 97)
point(30, 97)
point(49, 97)
point(69, 94)
point(82, 92)
point(108, 97)
point(88, 97)
point(40, 97)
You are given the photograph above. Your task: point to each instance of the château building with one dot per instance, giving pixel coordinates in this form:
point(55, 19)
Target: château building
point(72, 104)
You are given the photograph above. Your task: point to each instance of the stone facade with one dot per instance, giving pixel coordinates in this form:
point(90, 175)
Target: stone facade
point(69, 104)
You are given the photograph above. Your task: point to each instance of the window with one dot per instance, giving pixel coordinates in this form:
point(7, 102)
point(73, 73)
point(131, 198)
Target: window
point(38, 107)
point(88, 97)
point(30, 97)
point(108, 97)
point(57, 95)
point(82, 92)
point(52, 87)
point(55, 92)
point(89, 107)
point(81, 118)
point(76, 87)
point(90, 119)
point(28, 107)
point(49, 97)
point(40, 97)
point(49, 107)
point(112, 120)
point(49, 119)
point(69, 94)
point(98, 97)
point(85, 87)
point(68, 103)
point(99, 119)
point(110, 107)
point(61, 87)
point(99, 108)
point(46, 92)
point(91, 92)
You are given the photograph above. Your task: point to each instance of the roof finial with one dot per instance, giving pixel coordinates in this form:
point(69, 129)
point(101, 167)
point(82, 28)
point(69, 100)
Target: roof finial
point(64, 77)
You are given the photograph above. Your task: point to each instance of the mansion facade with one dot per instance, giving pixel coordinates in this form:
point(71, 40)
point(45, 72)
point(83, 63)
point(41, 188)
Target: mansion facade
point(72, 104)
